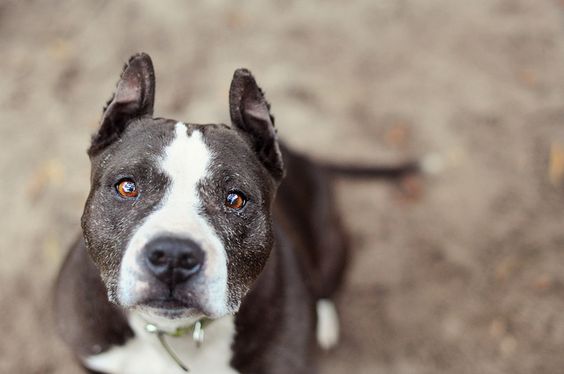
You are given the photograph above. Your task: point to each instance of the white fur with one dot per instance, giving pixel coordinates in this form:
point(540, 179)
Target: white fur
point(144, 354)
point(327, 324)
point(185, 162)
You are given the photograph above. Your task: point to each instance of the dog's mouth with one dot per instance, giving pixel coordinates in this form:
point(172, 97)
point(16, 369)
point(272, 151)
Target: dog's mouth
point(171, 307)
point(185, 300)
point(169, 303)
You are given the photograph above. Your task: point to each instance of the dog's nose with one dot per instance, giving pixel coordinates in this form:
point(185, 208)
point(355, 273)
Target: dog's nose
point(174, 260)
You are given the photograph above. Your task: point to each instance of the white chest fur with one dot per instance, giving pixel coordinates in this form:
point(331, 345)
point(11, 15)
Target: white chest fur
point(144, 353)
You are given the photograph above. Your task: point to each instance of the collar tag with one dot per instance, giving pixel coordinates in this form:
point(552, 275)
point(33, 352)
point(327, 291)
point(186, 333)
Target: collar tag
point(198, 335)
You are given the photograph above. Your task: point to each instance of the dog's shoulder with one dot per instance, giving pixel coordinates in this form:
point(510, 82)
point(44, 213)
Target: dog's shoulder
point(275, 321)
point(85, 318)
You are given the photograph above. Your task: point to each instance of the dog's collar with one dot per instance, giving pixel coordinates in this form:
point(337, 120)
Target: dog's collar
point(196, 329)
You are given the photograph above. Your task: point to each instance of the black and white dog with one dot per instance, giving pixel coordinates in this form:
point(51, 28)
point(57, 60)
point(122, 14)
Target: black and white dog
point(188, 231)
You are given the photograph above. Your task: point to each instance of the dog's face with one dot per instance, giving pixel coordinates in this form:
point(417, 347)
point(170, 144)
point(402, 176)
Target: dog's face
point(178, 216)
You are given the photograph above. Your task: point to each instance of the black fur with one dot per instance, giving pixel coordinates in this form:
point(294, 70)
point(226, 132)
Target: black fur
point(86, 320)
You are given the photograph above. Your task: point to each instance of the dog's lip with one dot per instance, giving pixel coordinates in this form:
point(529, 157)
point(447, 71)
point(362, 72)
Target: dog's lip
point(171, 308)
point(167, 303)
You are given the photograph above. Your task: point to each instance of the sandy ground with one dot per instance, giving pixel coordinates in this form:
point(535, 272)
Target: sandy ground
point(468, 277)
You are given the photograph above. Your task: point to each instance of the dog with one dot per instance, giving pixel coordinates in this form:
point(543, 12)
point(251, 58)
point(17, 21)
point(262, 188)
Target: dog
point(204, 248)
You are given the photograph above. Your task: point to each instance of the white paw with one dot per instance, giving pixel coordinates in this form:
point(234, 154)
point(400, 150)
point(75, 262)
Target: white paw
point(327, 324)
point(433, 164)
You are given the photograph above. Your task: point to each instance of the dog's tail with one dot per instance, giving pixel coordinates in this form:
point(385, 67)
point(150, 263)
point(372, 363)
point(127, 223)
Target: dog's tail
point(430, 164)
point(373, 171)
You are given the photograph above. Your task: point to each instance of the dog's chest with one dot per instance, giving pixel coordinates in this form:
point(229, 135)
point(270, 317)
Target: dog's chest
point(145, 354)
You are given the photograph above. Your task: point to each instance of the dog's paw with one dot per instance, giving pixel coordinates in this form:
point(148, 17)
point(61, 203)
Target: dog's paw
point(433, 164)
point(327, 324)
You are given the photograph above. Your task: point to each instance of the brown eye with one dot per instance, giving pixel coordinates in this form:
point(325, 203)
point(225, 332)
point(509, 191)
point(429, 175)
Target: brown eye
point(127, 188)
point(235, 200)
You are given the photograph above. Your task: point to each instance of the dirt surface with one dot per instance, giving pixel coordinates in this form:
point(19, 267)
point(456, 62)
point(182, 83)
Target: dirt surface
point(466, 277)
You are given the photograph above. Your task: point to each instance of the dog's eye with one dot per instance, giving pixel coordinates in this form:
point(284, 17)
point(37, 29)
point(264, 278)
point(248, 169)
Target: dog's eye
point(235, 200)
point(127, 188)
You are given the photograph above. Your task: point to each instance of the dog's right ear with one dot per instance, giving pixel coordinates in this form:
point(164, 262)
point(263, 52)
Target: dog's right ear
point(134, 97)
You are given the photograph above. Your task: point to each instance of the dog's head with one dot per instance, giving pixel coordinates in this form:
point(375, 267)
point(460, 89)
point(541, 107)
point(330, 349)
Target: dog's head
point(178, 216)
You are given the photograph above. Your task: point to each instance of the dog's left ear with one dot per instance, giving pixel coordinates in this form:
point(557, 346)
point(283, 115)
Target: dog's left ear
point(250, 114)
point(134, 97)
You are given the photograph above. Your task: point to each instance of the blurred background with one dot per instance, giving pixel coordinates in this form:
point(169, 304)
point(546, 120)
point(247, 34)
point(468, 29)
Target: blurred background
point(463, 275)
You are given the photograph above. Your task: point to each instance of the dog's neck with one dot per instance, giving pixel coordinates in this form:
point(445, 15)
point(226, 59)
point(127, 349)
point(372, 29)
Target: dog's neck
point(194, 329)
point(175, 335)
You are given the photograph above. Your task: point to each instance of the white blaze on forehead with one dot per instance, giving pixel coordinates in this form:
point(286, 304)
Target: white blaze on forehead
point(185, 162)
